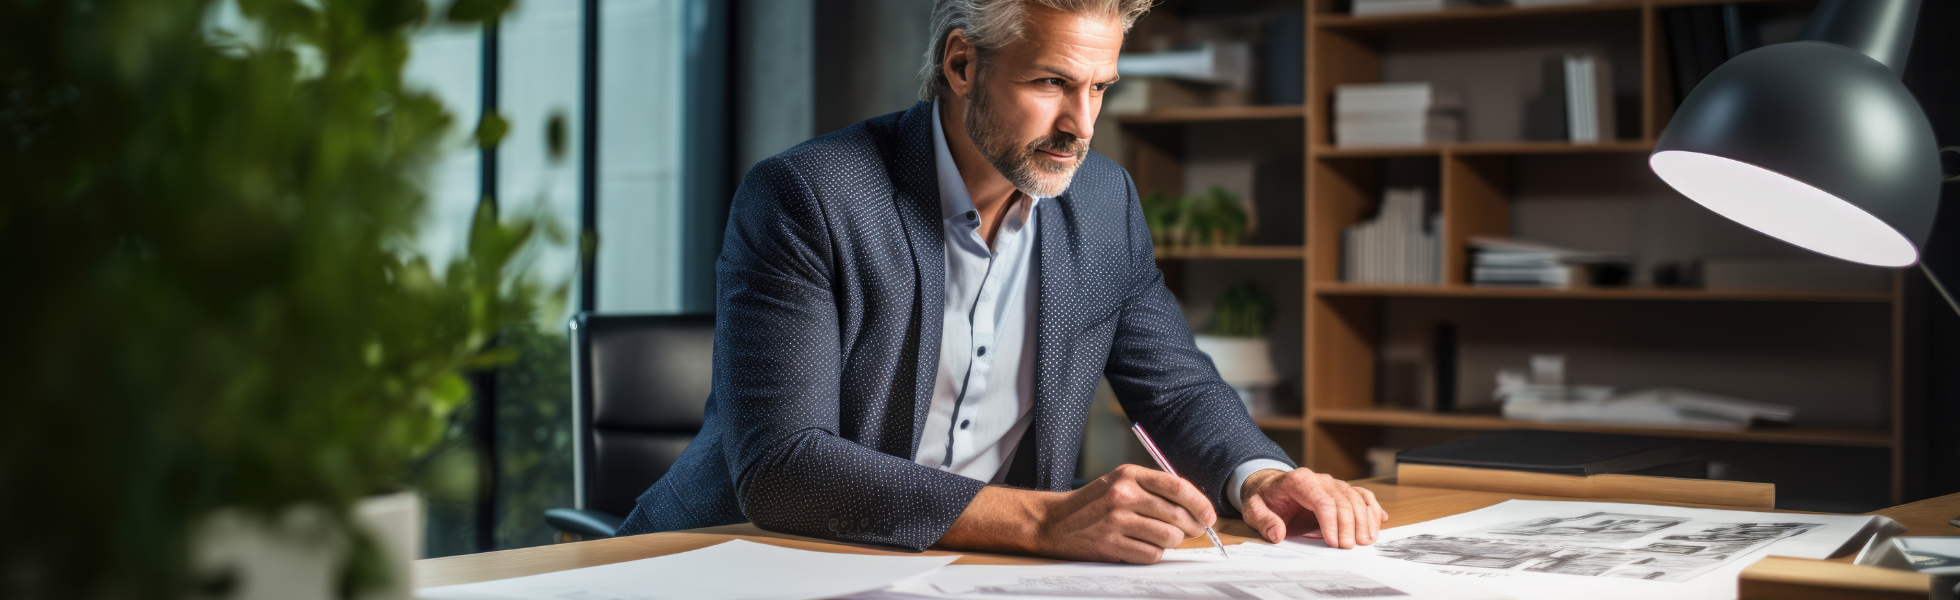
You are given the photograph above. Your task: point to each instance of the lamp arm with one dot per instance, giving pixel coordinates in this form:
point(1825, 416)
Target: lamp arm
point(1938, 286)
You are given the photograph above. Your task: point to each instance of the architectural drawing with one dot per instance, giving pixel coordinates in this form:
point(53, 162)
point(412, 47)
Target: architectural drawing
point(1201, 585)
point(1596, 544)
point(1598, 527)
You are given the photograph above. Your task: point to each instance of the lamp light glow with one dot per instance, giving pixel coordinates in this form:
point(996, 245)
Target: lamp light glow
point(1784, 208)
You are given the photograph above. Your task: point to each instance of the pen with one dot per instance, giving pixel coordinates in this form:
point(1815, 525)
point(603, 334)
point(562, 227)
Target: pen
point(1158, 455)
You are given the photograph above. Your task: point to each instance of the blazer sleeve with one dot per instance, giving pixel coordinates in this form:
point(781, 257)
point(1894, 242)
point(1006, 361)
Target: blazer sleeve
point(777, 369)
point(1165, 383)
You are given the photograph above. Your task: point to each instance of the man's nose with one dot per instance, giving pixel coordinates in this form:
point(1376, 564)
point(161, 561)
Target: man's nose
point(1078, 117)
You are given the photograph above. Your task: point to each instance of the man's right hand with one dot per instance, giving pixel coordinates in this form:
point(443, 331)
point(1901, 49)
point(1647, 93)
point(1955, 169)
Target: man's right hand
point(1130, 515)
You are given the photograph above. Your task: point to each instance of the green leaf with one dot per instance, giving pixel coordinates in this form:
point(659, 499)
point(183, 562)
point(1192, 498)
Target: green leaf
point(490, 130)
point(477, 11)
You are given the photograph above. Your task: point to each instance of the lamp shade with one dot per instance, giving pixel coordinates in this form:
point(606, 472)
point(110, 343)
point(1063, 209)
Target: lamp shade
point(1813, 142)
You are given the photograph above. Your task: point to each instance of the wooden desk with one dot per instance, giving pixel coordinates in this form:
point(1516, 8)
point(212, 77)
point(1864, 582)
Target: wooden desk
point(1406, 505)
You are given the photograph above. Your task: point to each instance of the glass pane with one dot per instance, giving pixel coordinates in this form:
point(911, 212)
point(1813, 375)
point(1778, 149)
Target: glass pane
point(447, 61)
point(640, 155)
point(539, 81)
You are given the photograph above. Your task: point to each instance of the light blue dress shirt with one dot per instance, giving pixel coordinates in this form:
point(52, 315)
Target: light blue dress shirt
point(982, 398)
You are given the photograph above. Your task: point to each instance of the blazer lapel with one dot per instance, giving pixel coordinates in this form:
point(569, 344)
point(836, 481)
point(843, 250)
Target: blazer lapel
point(916, 195)
point(1053, 411)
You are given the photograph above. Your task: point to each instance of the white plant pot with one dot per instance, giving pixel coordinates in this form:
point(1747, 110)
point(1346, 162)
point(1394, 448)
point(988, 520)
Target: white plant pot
point(299, 555)
point(1246, 364)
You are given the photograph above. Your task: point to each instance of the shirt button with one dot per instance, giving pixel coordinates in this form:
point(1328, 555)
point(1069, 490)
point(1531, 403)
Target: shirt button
point(970, 215)
point(983, 350)
point(964, 424)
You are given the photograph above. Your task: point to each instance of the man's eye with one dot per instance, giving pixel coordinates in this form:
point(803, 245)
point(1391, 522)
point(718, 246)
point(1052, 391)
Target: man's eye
point(1054, 81)
point(1100, 87)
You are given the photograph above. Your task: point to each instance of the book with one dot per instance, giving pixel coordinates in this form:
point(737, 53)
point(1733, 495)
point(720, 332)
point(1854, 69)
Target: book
point(1589, 99)
point(1396, 114)
point(1554, 452)
point(1402, 244)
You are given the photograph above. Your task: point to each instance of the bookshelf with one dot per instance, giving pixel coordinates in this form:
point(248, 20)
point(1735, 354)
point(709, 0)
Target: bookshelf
point(1347, 328)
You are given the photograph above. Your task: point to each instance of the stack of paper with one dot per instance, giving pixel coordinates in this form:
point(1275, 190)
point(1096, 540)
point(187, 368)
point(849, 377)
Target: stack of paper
point(1499, 262)
point(1401, 245)
point(736, 570)
point(1396, 114)
point(1530, 549)
point(1588, 99)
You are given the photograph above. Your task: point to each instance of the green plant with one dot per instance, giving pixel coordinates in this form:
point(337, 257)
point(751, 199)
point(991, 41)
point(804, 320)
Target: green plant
point(211, 299)
point(1214, 218)
point(1243, 310)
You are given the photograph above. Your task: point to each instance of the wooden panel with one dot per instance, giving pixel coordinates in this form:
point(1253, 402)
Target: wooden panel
point(1202, 114)
point(1476, 202)
point(1406, 505)
point(1334, 58)
point(1703, 491)
point(1657, 84)
point(1156, 168)
point(1897, 395)
point(1469, 14)
point(1786, 578)
point(1339, 450)
point(1483, 148)
point(1233, 252)
point(1586, 293)
point(1816, 436)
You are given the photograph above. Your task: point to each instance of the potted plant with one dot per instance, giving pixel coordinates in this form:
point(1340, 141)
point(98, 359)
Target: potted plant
point(218, 340)
point(1216, 217)
point(1237, 345)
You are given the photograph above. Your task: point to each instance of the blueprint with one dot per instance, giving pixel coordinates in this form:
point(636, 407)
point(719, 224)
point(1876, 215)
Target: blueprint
point(1256, 571)
point(1602, 551)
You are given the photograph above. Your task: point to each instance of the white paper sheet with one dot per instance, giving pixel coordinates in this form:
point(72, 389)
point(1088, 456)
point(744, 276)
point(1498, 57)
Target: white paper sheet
point(735, 570)
point(1260, 571)
point(1604, 551)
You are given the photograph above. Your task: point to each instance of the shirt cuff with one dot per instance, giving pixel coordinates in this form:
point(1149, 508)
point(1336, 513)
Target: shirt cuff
point(1246, 470)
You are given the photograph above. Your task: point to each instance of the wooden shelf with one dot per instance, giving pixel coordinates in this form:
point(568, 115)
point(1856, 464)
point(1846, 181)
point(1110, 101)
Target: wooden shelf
point(1815, 436)
point(1457, 291)
point(1485, 149)
point(1468, 13)
point(1202, 114)
point(1482, 13)
point(1233, 252)
point(1281, 423)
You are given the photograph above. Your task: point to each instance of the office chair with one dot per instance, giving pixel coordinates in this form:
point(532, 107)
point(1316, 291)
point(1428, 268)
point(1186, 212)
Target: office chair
point(639, 385)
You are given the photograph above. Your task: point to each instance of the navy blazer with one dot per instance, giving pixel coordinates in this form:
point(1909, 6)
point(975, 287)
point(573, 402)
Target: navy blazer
point(829, 294)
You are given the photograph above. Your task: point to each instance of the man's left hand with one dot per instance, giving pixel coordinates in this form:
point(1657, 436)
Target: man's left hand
point(1279, 504)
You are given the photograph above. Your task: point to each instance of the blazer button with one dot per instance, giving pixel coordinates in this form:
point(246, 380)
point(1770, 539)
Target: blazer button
point(964, 424)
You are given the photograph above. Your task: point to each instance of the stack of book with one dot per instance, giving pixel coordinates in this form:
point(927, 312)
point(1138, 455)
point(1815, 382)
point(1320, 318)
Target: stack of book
point(1396, 114)
point(1401, 245)
point(1499, 262)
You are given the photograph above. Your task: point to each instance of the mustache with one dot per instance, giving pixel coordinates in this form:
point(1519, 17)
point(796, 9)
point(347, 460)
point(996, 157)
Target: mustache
point(1060, 143)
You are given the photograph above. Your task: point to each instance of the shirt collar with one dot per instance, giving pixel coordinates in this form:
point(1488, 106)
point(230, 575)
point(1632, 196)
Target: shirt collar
point(953, 200)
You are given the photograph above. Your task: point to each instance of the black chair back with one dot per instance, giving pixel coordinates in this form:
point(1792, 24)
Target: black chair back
point(641, 383)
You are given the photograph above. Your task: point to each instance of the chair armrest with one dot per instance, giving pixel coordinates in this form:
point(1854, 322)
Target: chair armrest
point(587, 524)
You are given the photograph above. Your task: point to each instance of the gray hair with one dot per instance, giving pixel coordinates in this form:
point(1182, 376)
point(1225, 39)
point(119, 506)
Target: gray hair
point(990, 24)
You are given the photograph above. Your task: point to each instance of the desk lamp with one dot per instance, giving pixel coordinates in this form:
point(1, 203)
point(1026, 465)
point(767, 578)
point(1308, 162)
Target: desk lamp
point(1816, 142)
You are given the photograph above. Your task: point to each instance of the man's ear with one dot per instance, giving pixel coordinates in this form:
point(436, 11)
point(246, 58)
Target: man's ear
point(961, 63)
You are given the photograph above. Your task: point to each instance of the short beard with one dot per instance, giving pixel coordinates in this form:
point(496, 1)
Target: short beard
point(1024, 166)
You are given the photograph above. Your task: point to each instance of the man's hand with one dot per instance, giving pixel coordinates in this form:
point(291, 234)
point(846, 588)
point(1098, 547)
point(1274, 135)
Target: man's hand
point(1283, 503)
point(1130, 515)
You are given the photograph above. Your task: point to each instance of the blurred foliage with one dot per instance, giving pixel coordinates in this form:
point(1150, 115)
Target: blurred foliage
point(534, 435)
point(1243, 310)
point(211, 296)
point(1214, 218)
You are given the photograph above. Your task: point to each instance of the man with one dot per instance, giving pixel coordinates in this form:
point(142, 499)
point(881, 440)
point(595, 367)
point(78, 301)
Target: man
point(914, 312)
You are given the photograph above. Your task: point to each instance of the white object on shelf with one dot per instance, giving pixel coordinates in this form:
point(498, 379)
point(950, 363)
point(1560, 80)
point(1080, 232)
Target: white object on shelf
point(1221, 63)
point(1246, 364)
point(1401, 245)
point(1388, 7)
point(1588, 99)
point(1397, 114)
